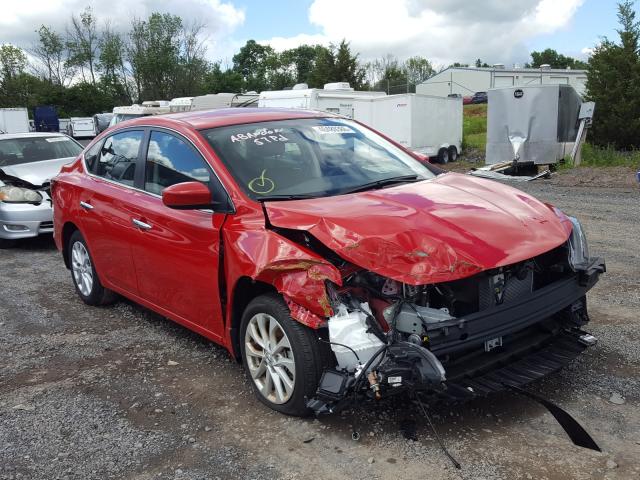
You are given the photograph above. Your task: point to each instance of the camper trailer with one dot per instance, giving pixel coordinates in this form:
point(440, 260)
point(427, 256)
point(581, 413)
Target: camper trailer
point(426, 124)
point(120, 114)
point(213, 101)
point(180, 104)
point(532, 124)
point(334, 98)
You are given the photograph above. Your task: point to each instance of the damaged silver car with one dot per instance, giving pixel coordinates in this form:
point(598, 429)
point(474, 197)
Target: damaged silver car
point(28, 161)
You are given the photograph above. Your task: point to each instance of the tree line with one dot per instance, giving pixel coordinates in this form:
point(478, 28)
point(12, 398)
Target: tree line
point(91, 67)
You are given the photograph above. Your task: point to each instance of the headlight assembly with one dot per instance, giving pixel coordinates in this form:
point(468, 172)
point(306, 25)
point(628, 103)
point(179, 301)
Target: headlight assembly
point(10, 194)
point(578, 248)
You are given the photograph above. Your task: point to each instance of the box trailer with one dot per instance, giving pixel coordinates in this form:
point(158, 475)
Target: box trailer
point(14, 120)
point(334, 98)
point(532, 124)
point(81, 127)
point(426, 124)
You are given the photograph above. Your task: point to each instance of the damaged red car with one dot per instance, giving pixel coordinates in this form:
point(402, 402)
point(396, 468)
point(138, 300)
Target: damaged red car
point(326, 257)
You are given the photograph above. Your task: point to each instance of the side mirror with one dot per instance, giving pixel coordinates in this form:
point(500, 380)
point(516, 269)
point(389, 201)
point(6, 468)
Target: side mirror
point(187, 196)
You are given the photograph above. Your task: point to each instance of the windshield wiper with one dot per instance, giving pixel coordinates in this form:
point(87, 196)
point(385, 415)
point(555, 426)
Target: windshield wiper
point(287, 196)
point(385, 182)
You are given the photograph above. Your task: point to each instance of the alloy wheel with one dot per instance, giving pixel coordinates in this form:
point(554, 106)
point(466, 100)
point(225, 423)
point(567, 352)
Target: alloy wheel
point(82, 269)
point(270, 358)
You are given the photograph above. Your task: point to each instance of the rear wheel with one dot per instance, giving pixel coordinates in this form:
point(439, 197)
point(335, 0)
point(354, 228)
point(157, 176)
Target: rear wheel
point(453, 153)
point(282, 357)
point(84, 275)
point(443, 156)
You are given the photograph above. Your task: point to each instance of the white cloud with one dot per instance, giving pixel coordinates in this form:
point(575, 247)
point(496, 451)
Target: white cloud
point(20, 20)
point(441, 30)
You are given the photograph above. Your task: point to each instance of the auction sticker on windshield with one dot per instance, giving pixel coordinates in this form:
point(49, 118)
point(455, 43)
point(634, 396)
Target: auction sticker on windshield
point(339, 129)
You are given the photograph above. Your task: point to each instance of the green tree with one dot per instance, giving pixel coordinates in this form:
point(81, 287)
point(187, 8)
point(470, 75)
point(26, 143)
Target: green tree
point(481, 64)
point(346, 67)
point(218, 80)
point(556, 60)
point(418, 69)
point(115, 74)
point(255, 62)
point(613, 82)
point(83, 43)
point(301, 61)
point(52, 55)
point(323, 70)
point(154, 55)
point(13, 61)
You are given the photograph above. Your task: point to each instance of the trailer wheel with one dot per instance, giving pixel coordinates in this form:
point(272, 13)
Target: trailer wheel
point(443, 156)
point(453, 153)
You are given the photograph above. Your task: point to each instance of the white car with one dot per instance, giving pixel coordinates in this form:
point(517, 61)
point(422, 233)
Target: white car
point(28, 161)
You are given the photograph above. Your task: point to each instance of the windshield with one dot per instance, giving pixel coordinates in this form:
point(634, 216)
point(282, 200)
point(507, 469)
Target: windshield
point(16, 151)
point(312, 157)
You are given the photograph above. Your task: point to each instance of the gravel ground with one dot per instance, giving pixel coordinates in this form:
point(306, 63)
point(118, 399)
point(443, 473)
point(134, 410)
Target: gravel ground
point(120, 392)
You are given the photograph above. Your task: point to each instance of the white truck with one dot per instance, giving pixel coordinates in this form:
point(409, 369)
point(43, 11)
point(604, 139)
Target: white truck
point(120, 114)
point(14, 120)
point(425, 124)
point(334, 98)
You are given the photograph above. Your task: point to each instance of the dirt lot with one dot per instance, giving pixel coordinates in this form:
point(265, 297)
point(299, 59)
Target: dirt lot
point(90, 393)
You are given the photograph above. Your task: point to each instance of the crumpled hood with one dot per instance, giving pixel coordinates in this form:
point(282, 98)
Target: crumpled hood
point(437, 230)
point(37, 173)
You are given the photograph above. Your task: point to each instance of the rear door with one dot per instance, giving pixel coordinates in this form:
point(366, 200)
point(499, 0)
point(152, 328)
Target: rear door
point(106, 200)
point(176, 254)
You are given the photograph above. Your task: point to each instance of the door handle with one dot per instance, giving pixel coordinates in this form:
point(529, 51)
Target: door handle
point(86, 206)
point(140, 224)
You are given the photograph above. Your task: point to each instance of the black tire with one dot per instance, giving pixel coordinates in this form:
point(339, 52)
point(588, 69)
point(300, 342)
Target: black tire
point(443, 156)
point(308, 354)
point(98, 295)
point(5, 243)
point(453, 153)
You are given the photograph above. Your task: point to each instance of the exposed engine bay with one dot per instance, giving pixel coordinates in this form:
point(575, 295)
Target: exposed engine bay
point(456, 340)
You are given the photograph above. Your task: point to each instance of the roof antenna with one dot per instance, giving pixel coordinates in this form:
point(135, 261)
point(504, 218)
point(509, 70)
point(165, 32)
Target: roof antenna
point(435, 433)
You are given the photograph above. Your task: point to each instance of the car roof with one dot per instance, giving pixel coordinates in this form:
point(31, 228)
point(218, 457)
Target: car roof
point(204, 119)
point(9, 136)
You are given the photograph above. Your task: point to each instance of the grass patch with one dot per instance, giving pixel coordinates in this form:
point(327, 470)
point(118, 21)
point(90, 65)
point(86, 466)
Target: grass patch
point(593, 156)
point(474, 127)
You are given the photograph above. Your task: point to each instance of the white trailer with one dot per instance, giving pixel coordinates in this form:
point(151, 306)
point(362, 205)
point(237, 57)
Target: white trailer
point(14, 120)
point(81, 127)
point(214, 101)
point(334, 98)
point(425, 124)
point(180, 104)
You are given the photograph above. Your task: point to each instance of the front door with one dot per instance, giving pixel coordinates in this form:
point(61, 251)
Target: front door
point(176, 254)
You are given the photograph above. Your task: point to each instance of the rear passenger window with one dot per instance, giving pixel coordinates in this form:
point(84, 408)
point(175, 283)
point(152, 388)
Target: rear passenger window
point(117, 157)
point(171, 160)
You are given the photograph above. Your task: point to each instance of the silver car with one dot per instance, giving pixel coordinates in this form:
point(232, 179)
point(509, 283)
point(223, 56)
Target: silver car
point(28, 161)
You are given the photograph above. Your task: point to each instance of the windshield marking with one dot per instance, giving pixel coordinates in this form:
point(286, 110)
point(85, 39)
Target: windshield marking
point(262, 185)
point(261, 136)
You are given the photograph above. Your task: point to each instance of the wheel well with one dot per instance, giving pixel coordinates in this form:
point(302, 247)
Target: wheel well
point(67, 231)
point(244, 291)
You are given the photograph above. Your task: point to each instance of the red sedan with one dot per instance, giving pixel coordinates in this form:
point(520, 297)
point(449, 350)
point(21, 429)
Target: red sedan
point(326, 257)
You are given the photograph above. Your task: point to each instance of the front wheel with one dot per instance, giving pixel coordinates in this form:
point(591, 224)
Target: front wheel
point(282, 357)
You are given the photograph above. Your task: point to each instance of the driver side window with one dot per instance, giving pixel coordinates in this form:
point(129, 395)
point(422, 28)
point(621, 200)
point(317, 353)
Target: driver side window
point(116, 159)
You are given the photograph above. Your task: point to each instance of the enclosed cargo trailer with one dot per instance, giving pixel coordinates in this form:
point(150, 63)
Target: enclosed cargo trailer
point(426, 124)
point(532, 124)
